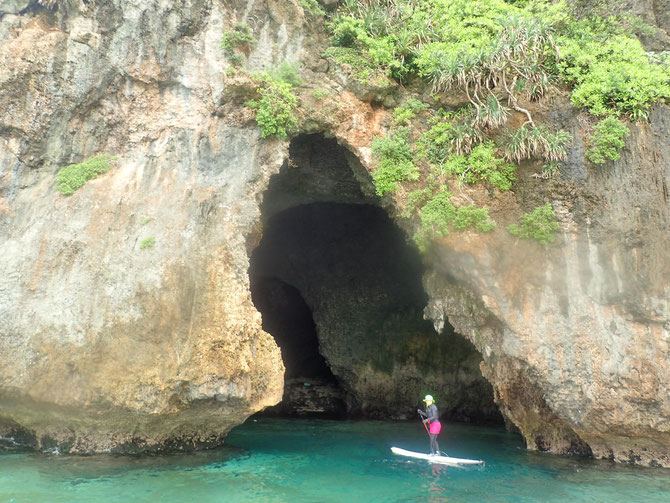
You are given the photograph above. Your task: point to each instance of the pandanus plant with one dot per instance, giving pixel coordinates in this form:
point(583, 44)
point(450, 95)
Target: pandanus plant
point(50, 4)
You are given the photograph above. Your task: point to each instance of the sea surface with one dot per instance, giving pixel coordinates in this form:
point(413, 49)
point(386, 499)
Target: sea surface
point(319, 461)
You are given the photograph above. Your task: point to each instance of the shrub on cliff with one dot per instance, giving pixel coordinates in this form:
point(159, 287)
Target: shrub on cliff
point(607, 139)
point(312, 7)
point(536, 141)
point(147, 243)
point(481, 165)
point(450, 133)
point(610, 73)
point(238, 38)
point(276, 103)
point(395, 161)
point(72, 177)
point(439, 215)
point(540, 224)
point(489, 48)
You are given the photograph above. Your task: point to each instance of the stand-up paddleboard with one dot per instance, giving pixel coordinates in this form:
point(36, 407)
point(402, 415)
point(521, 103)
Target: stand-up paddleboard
point(443, 460)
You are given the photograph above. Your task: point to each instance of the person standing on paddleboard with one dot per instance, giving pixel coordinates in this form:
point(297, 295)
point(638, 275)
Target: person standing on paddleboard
point(431, 418)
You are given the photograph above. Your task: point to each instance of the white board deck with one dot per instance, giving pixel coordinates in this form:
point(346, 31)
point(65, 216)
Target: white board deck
point(443, 460)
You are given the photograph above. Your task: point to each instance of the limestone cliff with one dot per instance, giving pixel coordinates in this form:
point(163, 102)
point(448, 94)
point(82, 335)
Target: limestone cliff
point(106, 345)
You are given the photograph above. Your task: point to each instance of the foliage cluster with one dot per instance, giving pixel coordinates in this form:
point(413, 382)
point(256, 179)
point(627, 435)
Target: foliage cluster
point(147, 243)
point(450, 132)
point(313, 7)
point(405, 113)
point(276, 103)
point(536, 141)
point(396, 162)
point(500, 54)
point(540, 224)
point(72, 177)
point(439, 214)
point(607, 138)
point(610, 73)
point(490, 48)
point(481, 165)
point(235, 39)
point(359, 63)
point(497, 51)
point(320, 94)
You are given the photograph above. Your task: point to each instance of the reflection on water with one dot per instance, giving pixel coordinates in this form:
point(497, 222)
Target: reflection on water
point(273, 460)
point(436, 482)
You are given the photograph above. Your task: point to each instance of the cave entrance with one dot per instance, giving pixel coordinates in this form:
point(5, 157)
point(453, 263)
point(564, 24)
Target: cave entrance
point(339, 287)
point(310, 388)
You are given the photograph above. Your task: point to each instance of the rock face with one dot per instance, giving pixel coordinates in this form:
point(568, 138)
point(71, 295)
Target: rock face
point(575, 337)
point(105, 345)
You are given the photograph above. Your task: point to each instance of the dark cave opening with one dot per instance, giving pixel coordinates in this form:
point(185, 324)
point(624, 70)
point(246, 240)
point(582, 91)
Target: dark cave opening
point(340, 288)
point(288, 318)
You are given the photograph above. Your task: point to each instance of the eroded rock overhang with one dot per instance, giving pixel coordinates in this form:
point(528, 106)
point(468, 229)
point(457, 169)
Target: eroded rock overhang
point(325, 234)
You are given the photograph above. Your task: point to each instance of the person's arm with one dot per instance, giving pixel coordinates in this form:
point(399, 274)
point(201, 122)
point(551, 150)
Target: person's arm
point(432, 413)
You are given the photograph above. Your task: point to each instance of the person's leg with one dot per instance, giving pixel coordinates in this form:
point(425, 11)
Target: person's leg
point(434, 448)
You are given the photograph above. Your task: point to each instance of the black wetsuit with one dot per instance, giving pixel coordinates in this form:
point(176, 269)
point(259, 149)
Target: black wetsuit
point(431, 414)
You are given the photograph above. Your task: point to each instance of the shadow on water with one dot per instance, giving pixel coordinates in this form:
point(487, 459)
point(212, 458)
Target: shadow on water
point(81, 469)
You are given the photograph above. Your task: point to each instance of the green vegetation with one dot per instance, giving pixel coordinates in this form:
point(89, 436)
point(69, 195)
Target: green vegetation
point(540, 224)
point(416, 199)
point(395, 161)
point(450, 132)
point(481, 165)
point(405, 113)
point(287, 73)
point(313, 7)
point(536, 141)
point(276, 103)
point(439, 215)
point(236, 39)
point(320, 94)
point(72, 177)
point(607, 139)
point(499, 51)
point(489, 48)
point(500, 56)
point(361, 66)
point(147, 243)
point(610, 72)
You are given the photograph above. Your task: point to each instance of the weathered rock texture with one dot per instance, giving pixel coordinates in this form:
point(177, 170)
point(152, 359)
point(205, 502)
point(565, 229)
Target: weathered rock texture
point(104, 345)
point(575, 337)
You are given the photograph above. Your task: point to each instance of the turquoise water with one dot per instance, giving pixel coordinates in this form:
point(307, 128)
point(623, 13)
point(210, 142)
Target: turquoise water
point(316, 461)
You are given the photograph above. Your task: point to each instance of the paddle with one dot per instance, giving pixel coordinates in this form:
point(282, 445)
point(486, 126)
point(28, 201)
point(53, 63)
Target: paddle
point(421, 414)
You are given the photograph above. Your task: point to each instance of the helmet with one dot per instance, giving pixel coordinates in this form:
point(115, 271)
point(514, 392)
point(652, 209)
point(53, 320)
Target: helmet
point(429, 398)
